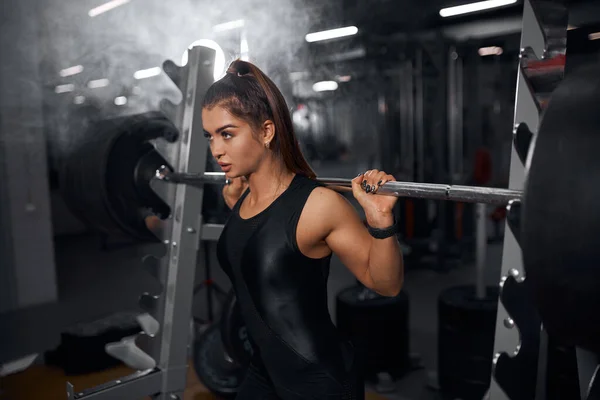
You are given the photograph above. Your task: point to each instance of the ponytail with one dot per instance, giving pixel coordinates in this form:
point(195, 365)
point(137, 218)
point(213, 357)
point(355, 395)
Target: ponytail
point(246, 92)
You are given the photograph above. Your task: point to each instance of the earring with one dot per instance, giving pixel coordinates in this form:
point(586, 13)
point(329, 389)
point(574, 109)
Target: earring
point(267, 144)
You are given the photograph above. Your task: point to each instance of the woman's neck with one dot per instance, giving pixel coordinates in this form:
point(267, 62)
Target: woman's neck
point(269, 181)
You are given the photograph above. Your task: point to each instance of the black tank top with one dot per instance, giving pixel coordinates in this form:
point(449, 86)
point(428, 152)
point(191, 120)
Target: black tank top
point(282, 293)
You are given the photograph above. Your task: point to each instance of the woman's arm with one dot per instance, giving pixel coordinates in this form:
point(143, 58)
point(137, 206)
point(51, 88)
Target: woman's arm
point(376, 263)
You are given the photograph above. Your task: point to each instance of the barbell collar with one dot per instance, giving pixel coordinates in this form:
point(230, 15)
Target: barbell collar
point(434, 191)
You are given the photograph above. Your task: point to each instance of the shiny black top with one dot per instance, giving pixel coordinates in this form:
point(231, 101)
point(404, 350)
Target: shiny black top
point(282, 293)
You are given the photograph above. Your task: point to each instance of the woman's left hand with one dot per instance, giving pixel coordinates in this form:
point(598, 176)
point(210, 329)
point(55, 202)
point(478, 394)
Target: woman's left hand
point(364, 189)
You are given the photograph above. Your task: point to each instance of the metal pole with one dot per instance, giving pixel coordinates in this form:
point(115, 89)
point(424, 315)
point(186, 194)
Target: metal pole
point(480, 250)
point(434, 191)
point(419, 120)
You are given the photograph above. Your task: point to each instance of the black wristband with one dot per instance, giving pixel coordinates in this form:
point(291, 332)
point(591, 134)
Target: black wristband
point(384, 233)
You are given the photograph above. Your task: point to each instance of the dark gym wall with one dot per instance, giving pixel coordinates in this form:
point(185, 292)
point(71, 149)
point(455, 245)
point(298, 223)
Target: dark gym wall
point(27, 247)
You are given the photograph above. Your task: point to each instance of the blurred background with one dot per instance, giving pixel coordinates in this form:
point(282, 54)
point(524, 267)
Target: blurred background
point(406, 87)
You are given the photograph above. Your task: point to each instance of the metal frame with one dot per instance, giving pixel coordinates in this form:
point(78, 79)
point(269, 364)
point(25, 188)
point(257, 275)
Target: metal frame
point(543, 39)
point(181, 237)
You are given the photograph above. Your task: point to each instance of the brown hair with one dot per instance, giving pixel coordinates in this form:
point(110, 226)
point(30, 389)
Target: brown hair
point(247, 93)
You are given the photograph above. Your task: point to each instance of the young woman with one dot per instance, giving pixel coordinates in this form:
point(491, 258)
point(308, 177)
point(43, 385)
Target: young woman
point(277, 243)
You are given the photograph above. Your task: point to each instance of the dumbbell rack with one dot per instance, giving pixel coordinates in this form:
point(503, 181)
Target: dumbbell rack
point(182, 236)
point(521, 344)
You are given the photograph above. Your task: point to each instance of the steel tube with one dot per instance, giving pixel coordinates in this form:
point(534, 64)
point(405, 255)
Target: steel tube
point(434, 191)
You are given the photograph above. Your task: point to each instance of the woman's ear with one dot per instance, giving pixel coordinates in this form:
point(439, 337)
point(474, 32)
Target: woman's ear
point(268, 132)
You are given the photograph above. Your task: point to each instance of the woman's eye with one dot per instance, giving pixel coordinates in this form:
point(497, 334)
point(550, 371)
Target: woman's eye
point(226, 135)
point(206, 135)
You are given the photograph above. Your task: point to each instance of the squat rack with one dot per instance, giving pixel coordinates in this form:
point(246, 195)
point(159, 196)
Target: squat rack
point(521, 347)
point(182, 236)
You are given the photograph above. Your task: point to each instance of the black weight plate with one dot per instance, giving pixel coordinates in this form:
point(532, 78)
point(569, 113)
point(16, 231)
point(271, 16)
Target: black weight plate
point(98, 177)
point(460, 309)
point(82, 183)
point(220, 375)
point(378, 328)
point(234, 333)
point(466, 327)
point(560, 228)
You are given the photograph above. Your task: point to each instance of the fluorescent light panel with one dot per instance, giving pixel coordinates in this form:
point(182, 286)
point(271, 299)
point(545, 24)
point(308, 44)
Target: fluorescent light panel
point(490, 51)
point(147, 73)
point(74, 70)
point(325, 86)
point(69, 87)
point(474, 7)
point(98, 83)
point(227, 26)
point(101, 9)
point(331, 34)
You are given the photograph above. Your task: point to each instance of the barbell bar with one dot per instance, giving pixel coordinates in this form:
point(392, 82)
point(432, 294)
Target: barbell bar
point(434, 191)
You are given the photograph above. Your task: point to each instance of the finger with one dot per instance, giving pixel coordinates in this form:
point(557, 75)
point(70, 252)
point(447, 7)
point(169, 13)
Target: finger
point(372, 181)
point(380, 180)
point(358, 185)
point(366, 181)
point(383, 179)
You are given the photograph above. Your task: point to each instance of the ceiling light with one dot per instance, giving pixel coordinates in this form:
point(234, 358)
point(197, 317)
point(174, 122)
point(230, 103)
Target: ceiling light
point(147, 73)
point(226, 26)
point(474, 7)
point(98, 83)
point(101, 9)
point(71, 71)
point(331, 34)
point(69, 87)
point(490, 51)
point(344, 78)
point(120, 101)
point(325, 86)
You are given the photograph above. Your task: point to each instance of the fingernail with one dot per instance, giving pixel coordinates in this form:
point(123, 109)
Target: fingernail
point(368, 189)
point(379, 183)
point(364, 184)
point(359, 174)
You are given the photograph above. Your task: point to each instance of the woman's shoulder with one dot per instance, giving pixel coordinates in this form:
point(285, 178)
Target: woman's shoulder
point(325, 206)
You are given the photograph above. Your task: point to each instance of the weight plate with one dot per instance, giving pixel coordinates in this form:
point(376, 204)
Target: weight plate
point(560, 231)
point(466, 327)
point(215, 370)
point(102, 178)
point(378, 329)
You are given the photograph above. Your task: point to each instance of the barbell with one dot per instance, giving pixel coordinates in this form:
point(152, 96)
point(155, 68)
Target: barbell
point(106, 182)
point(434, 191)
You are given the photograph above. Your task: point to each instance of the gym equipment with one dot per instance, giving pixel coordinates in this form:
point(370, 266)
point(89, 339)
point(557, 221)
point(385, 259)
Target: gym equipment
point(219, 373)
point(560, 252)
point(467, 194)
point(465, 341)
point(116, 155)
point(234, 334)
point(378, 328)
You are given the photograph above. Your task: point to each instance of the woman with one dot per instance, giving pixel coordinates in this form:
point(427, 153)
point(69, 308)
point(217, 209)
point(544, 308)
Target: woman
point(277, 243)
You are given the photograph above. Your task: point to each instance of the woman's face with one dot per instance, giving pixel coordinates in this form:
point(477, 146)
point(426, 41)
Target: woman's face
point(232, 142)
